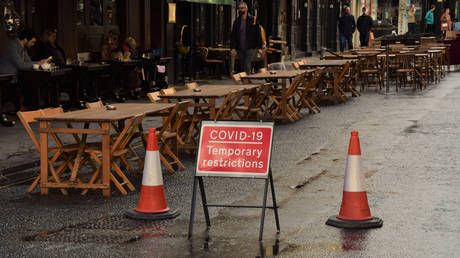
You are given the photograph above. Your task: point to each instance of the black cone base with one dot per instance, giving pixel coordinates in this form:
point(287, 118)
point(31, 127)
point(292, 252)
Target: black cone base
point(171, 214)
point(354, 224)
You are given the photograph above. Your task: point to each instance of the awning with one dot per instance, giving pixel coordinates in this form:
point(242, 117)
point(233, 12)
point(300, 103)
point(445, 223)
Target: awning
point(227, 2)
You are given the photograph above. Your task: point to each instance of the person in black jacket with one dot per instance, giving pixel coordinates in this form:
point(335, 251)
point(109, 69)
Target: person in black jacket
point(245, 38)
point(364, 25)
point(347, 27)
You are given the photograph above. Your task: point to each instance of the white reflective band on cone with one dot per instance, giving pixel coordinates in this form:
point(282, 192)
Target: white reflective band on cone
point(152, 169)
point(354, 179)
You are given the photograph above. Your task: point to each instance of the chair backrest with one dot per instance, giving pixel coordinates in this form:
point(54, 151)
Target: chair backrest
point(295, 83)
point(191, 85)
point(175, 118)
point(295, 65)
point(203, 53)
point(229, 104)
point(396, 46)
point(168, 91)
point(277, 66)
point(405, 61)
point(127, 133)
point(97, 104)
point(237, 78)
point(154, 97)
point(28, 117)
point(263, 70)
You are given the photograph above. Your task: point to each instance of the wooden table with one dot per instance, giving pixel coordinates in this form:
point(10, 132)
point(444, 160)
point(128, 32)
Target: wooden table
point(282, 75)
point(208, 95)
point(39, 78)
point(324, 63)
point(87, 75)
point(338, 93)
point(100, 116)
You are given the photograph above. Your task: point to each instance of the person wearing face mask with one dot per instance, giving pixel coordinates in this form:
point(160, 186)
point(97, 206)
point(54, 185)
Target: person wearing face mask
point(245, 39)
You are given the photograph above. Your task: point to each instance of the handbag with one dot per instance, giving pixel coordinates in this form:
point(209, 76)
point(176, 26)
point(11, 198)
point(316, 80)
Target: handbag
point(182, 49)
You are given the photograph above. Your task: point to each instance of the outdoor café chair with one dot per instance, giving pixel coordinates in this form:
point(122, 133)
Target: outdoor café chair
point(306, 91)
point(291, 92)
point(370, 73)
point(253, 106)
point(118, 150)
point(237, 78)
point(154, 97)
point(133, 153)
point(63, 153)
point(168, 136)
point(191, 85)
point(228, 106)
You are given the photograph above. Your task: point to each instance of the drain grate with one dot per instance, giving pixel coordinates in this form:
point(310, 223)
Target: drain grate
point(110, 230)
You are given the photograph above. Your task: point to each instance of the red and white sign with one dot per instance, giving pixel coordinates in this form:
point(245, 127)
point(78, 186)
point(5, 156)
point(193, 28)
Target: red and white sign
point(234, 148)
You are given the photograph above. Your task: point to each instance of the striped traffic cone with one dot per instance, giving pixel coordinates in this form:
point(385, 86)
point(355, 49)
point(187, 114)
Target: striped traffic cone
point(152, 201)
point(354, 212)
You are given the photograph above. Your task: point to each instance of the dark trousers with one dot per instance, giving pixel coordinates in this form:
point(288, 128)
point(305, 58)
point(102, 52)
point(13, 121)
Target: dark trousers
point(411, 27)
point(364, 39)
point(245, 59)
point(344, 39)
point(430, 28)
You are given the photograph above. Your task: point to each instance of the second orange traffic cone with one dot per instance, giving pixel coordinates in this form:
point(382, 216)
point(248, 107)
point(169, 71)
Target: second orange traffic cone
point(354, 212)
point(152, 201)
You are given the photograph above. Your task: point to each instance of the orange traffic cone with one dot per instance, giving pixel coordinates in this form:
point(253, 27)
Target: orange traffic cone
point(354, 212)
point(152, 200)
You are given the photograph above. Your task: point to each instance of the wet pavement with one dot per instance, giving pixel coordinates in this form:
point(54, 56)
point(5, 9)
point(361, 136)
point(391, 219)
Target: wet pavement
point(409, 152)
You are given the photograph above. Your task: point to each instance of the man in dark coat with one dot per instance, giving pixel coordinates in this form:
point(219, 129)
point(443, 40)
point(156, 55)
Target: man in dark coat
point(246, 39)
point(347, 27)
point(364, 25)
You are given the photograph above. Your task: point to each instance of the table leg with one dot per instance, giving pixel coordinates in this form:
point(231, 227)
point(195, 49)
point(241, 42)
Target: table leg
point(212, 108)
point(106, 155)
point(283, 100)
point(81, 150)
point(43, 158)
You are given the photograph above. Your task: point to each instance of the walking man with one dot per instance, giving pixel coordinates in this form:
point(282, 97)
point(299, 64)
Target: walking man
point(246, 39)
point(429, 19)
point(364, 25)
point(347, 27)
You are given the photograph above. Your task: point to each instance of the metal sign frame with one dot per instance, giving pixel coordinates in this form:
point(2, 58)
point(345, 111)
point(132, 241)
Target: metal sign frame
point(267, 177)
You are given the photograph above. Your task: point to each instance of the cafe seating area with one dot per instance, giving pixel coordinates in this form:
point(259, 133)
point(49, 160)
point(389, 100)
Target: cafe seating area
point(99, 149)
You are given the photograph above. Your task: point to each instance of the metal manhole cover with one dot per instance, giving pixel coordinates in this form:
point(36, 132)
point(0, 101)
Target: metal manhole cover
point(110, 230)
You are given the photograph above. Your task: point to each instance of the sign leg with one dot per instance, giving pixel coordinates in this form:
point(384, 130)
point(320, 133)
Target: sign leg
point(205, 203)
point(264, 204)
point(192, 209)
point(275, 207)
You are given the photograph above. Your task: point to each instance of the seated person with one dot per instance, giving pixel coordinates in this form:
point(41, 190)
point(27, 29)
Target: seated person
point(129, 49)
point(15, 58)
point(48, 46)
point(110, 49)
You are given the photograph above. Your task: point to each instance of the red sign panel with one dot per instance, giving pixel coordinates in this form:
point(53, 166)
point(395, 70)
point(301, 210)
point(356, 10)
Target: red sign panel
point(234, 148)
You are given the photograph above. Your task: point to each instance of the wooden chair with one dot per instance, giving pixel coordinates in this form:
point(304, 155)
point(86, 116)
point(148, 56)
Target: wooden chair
point(291, 110)
point(352, 77)
point(276, 66)
point(168, 137)
point(406, 69)
point(168, 91)
point(306, 91)
point(263, 70)
point(370, 69)
point(191, 85)
point(118, 150)
point(295, 65)
point(97, 104)
point(217, 63)
point(154, 97)
point(228, 106)
point(237, 78)
point(63, 153)
point(132, 152)
point(253, 105)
